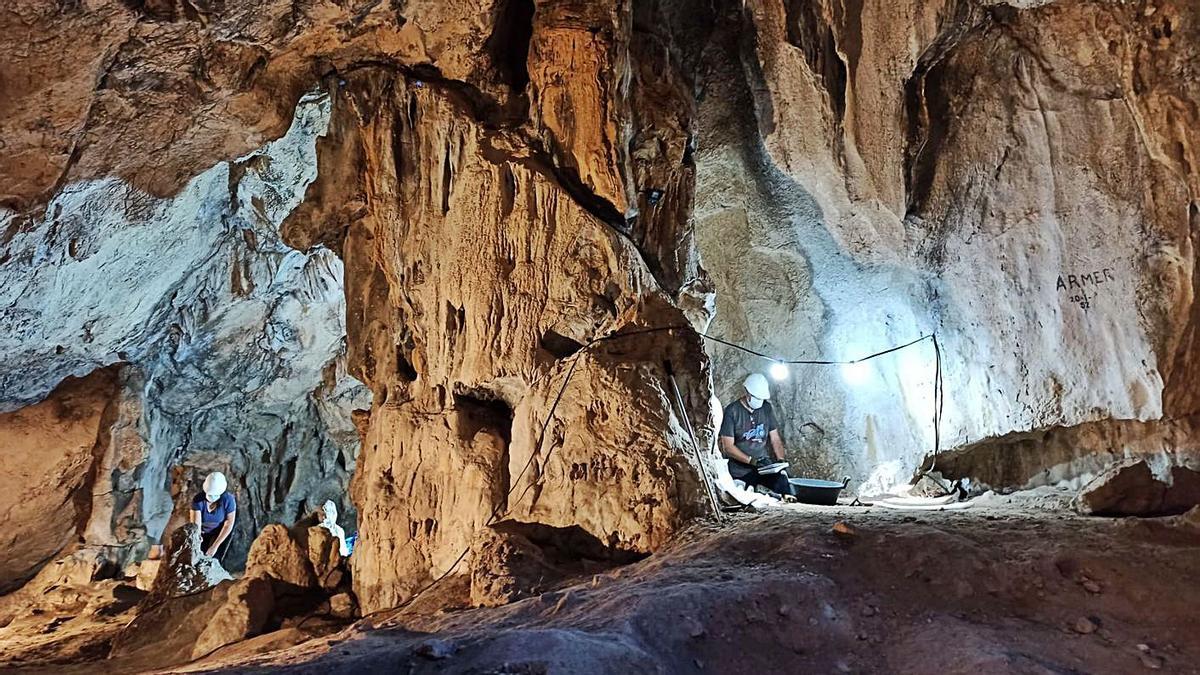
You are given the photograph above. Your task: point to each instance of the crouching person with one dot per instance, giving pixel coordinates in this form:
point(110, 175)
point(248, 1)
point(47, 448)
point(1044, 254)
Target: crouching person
point(214, 510)
point(749, 438)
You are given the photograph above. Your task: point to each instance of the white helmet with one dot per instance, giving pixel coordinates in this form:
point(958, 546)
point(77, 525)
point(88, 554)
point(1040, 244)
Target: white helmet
point(756, 386)
point(214, 486)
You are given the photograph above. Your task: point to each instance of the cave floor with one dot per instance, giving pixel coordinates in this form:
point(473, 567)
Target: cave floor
point(1009, 586)
point(1012, 586)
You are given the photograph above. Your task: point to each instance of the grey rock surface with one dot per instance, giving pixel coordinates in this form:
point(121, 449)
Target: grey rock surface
point(187, 570)
point(232, 343)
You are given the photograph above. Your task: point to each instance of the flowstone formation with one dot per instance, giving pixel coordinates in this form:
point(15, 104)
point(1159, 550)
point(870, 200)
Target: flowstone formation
point(498, 226)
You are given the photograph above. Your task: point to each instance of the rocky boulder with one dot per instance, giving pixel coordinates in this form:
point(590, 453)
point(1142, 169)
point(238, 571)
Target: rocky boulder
point(195, 608)
point(275, 554)
point(305, 570)
point(245, 610)
point(77, 570)
point(343, 606)
point(187, 570)
point(165, 632)
point(71, 610)
point(1130, 488)
point(324, 554)
point(305, 557)
point(143, 573)
point(189, 587)
point(505, 567)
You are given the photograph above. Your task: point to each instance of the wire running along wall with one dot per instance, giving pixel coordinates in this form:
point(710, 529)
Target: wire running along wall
point(499, 511)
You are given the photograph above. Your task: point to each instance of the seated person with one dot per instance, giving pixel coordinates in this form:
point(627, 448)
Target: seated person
point(214, 511)
point(747, 428)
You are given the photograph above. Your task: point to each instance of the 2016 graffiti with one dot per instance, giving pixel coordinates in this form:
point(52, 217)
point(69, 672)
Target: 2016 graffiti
point(1077, 285)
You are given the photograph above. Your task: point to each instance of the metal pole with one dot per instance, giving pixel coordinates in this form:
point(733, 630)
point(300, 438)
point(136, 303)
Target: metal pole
point(687, 425)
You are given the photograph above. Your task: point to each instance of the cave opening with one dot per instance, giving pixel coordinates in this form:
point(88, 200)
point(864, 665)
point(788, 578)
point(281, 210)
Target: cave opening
point(508, 45)
point(479, 409)
point(558, 345)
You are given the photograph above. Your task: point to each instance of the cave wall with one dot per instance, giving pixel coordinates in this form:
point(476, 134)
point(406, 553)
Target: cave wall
point(1016, 177)
point(497, 226)
point(504, 180)
point(230, 345)
point(48, 451)
point(473, 192)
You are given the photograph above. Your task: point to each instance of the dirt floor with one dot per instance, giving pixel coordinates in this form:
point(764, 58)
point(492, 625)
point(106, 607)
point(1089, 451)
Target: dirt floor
point(1008, 586)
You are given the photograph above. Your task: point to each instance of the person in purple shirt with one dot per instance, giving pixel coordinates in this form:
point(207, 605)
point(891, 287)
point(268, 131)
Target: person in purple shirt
point(214, 510)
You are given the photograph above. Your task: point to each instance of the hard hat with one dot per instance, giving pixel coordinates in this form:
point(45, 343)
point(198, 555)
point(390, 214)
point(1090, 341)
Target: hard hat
point(756, 386)
point(214, 486)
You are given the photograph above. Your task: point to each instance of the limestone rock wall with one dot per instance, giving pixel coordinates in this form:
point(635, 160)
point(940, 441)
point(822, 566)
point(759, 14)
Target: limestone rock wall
point(48, 453)
point(504, 181)
point(230, 346)
point(1075, 455)
point(1018, 177)
point(479, 268)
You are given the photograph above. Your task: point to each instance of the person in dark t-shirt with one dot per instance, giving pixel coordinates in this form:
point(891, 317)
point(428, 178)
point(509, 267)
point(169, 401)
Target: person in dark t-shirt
point(749, 437)
point(214, 510)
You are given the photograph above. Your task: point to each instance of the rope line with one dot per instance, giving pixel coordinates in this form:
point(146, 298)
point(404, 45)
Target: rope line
point(506, 508)
point(814, 362)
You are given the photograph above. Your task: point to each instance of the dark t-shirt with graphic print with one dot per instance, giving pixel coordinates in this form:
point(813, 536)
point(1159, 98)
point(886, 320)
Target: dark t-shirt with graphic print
point(749, 430)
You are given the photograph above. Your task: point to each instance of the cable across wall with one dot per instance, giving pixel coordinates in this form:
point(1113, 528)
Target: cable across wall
point(506, 507)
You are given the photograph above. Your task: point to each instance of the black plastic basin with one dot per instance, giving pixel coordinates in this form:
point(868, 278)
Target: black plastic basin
point(817, 491)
